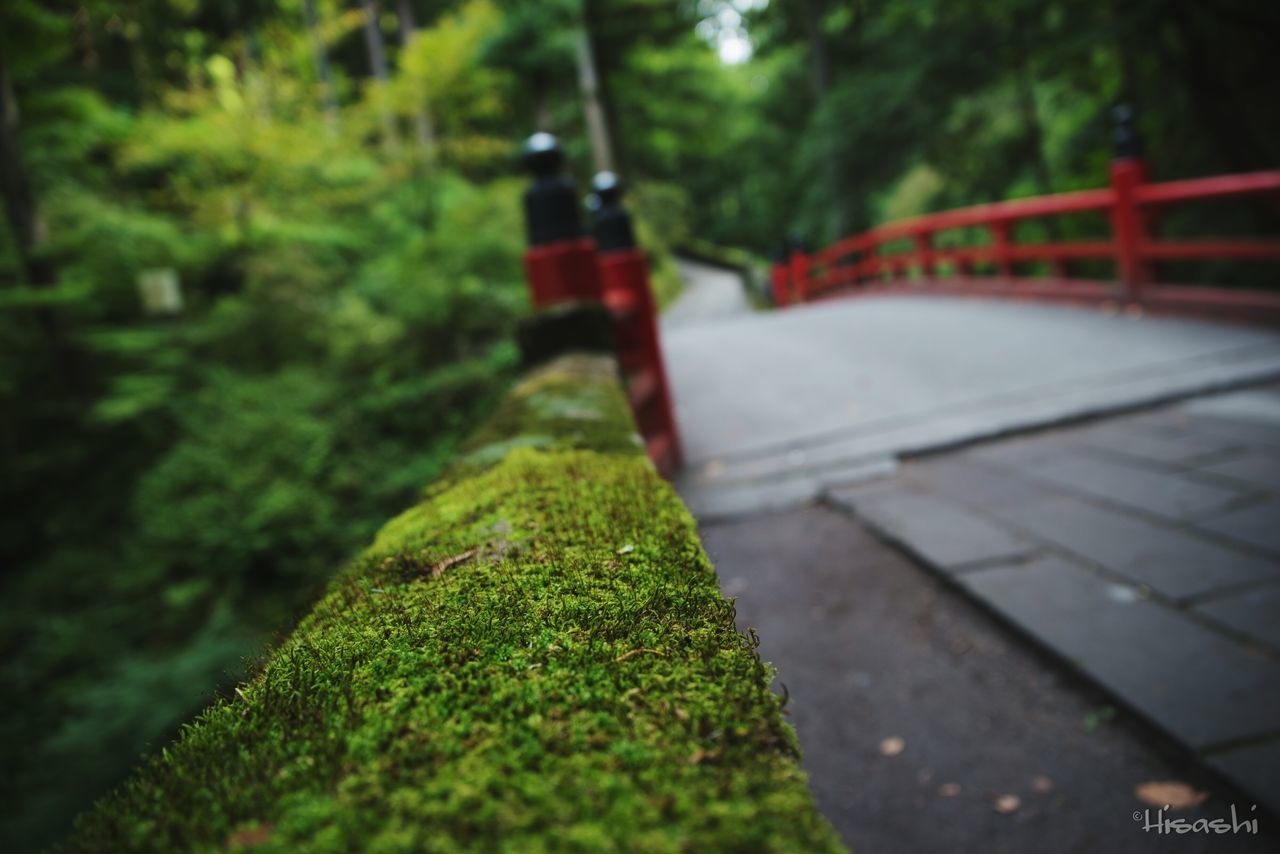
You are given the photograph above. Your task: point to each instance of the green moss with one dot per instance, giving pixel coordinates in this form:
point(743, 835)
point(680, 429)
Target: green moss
point(535, 657)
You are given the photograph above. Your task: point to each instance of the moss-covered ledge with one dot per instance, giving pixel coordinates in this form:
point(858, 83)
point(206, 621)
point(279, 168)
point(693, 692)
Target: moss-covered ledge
point(536, 657)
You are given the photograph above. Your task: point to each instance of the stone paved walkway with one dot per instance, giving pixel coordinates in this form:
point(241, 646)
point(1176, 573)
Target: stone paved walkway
point(711, 294)
point(1143, 550)
point(1139, 552)
point(871, 646)
point(775, 406)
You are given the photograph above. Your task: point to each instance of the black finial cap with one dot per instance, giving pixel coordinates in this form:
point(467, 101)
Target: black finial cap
point(608, 186)
point(551, 204)
point(1124, 136)
point(542, 154)
point(610, 220)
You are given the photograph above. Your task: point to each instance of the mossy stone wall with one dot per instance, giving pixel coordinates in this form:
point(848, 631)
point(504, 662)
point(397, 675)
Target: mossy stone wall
point(535, 657)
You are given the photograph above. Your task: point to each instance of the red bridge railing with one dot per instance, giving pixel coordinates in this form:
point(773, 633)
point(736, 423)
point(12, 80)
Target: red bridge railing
point(869, 262)
point(567, 268)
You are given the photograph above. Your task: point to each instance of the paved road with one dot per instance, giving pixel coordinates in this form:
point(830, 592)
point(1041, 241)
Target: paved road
point(1142, 549)
point(956, 601)
point(711, 294)
point(775, 406)
point(870, 646)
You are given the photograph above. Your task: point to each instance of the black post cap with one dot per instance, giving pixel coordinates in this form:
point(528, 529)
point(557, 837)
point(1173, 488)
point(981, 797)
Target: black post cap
point(1124, 136)
point(611, 221)
point(542, 154)
point(551, 204)
point(608, 187)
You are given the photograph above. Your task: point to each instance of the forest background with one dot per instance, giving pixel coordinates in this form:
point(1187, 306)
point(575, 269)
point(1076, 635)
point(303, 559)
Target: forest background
point(331, 188)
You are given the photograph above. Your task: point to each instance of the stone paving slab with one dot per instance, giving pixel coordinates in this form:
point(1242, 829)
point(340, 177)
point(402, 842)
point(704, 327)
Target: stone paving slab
point(1256, 468)
point(1258, 525)
point(1155, 575)
point(1148, 491)
point(940, 532)
point(1254, 613)
point(1154, 445)
point(1170, 560)
point(869, 646)
point(1256, 769)
point(1261, 406)
point(715, 500)
point(961, 479)
point(1255, 433)
point(1192, 682)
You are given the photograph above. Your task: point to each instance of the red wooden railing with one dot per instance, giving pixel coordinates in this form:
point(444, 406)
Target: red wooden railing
point(867, 263)
point(565, 267)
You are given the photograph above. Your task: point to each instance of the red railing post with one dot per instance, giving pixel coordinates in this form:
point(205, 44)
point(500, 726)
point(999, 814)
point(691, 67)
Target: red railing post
point(798, 272)
point(924, 249)
point(560, 263)
point(1000, 240)
point(1128, 173)
point(624, 277)
point(1126, 225)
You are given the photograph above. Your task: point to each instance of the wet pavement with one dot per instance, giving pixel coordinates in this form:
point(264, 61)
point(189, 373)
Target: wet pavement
point(992, 647)
point(776, 406)
point(1143, 550)
point(871, 648)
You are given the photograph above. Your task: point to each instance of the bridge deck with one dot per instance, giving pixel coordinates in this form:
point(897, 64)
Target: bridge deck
point(1139, 550)
point(775, 406)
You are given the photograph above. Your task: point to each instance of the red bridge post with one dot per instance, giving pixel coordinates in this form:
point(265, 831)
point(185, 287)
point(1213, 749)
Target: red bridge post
point(1128, 173)
point(1000, 239)
point(560, 263)
point(565, 265)
point(624, 277)
point(924, 250)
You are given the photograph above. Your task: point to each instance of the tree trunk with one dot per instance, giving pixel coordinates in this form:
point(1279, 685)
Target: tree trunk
point(320, 56)
point(19, 200)
point(542, 104)
point(422, 115)
point(597, 125)
point(23, 214)
point(378, 68)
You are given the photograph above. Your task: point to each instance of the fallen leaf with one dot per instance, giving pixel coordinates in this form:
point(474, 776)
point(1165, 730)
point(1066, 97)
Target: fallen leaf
point(1008, 803)
point(451, 562)
point(892, 746)
point(948, 790)
point(1041, 785)
point(1169, 793)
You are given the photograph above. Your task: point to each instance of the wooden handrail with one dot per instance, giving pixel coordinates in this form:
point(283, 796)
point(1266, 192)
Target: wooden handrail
point(861, 257)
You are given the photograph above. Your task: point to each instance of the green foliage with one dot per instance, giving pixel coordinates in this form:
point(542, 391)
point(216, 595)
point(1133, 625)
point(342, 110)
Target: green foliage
point(535, 657)
point(997, 100)
point(183, 485)
point(348, 252)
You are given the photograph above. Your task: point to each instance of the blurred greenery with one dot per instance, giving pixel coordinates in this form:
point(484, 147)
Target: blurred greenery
point(346, 236)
